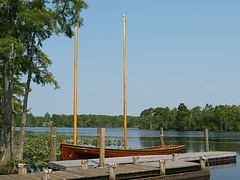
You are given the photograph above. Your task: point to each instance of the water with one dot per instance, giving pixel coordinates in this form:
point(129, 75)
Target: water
point(194, 140)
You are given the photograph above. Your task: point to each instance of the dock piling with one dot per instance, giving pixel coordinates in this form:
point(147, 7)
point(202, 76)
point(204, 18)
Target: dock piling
point(22, 168)
point(84, 164)
point(206, 140)
point(174, 157)
point(53, 156)
point(162, 166)
point(102, 147)
point(135, 160)
point(202, 160)
point(161, 136)
point(111, 170)
point(47, 174)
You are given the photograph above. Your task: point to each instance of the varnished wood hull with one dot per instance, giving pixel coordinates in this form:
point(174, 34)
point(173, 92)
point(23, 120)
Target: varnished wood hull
point(74, 152)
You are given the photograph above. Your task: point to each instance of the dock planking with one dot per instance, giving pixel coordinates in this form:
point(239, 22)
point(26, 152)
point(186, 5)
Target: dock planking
point(148, 168)
point(121, 161)
point(122, 172)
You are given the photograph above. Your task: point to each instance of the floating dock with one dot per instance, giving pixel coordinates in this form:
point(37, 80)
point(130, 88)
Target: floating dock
point(212, 158)
point(183, 166)
point(178, 169)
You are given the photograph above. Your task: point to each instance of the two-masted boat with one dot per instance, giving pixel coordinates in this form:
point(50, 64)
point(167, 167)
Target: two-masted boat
point(74, 151)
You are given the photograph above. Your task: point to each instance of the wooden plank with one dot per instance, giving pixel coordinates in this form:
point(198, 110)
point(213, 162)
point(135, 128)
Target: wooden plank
point(17, 176)
point(91, 172)
point(64, 175)
point(5, 177)
point(172, 164)
point(35, 175)
point(67, 174)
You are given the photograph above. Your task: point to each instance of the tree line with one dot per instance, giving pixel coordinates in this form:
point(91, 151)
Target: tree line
point(84, 120)
point(218, 118)
point(24, 26)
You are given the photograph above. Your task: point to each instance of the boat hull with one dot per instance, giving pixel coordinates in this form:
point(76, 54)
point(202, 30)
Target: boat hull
point(74, 152)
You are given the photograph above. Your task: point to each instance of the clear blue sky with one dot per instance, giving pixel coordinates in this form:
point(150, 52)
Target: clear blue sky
point(178, 51)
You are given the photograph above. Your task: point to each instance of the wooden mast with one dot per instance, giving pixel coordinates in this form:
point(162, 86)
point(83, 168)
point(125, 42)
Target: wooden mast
point(125, 97)
point(75, 86)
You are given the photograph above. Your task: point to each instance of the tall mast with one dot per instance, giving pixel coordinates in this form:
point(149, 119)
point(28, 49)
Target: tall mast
point(75, 86)
point(125, 97)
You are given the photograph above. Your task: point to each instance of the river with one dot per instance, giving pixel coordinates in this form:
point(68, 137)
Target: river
point(194, 140)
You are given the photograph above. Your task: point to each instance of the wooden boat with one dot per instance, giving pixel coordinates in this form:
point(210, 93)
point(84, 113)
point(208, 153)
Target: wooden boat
point(73, 152)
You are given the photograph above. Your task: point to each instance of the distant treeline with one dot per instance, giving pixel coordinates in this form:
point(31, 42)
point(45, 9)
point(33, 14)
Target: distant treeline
point(219, 118)
point(82, 120)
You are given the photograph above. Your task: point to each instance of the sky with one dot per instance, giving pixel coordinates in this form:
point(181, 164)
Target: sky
point(178, 51)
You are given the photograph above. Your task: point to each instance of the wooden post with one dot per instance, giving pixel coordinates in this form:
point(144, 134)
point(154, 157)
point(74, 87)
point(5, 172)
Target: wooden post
point(135, 160)
point(161, 136)
point(174, 157)
point(47, 174)
point(202, 160)
point(84, 164)
point(111, 170)
point(53, 144)
point(102, 147)
point(162, 166)
point(98, 136)
point(206, 140)
point(22, 168)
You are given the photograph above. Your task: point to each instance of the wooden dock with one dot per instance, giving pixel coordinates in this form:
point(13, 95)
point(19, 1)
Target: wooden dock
point(185, 166)
point(212, 159)
point(123, 172)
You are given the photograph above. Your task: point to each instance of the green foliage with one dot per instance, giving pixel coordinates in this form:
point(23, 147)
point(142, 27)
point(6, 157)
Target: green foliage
point(83, 120)
point(37, 148)
point(219, 118)
point(24, 26)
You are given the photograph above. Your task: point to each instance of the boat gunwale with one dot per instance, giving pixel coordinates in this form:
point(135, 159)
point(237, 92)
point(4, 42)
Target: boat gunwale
point(142, 150)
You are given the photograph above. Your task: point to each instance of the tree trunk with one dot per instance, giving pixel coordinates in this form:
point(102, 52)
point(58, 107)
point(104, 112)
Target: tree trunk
point(12, 103)
point(19, 155)
point(2, 145)
point(6, 119)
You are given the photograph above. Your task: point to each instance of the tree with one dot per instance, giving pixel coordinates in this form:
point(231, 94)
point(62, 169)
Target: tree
point(24, 25)
point(41, 22)
point(147, 119)
point(196, 118)
point(207, 120)
point(10, 57)
point(182, 117)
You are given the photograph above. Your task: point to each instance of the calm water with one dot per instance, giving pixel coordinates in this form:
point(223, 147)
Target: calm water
point(194, 140)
